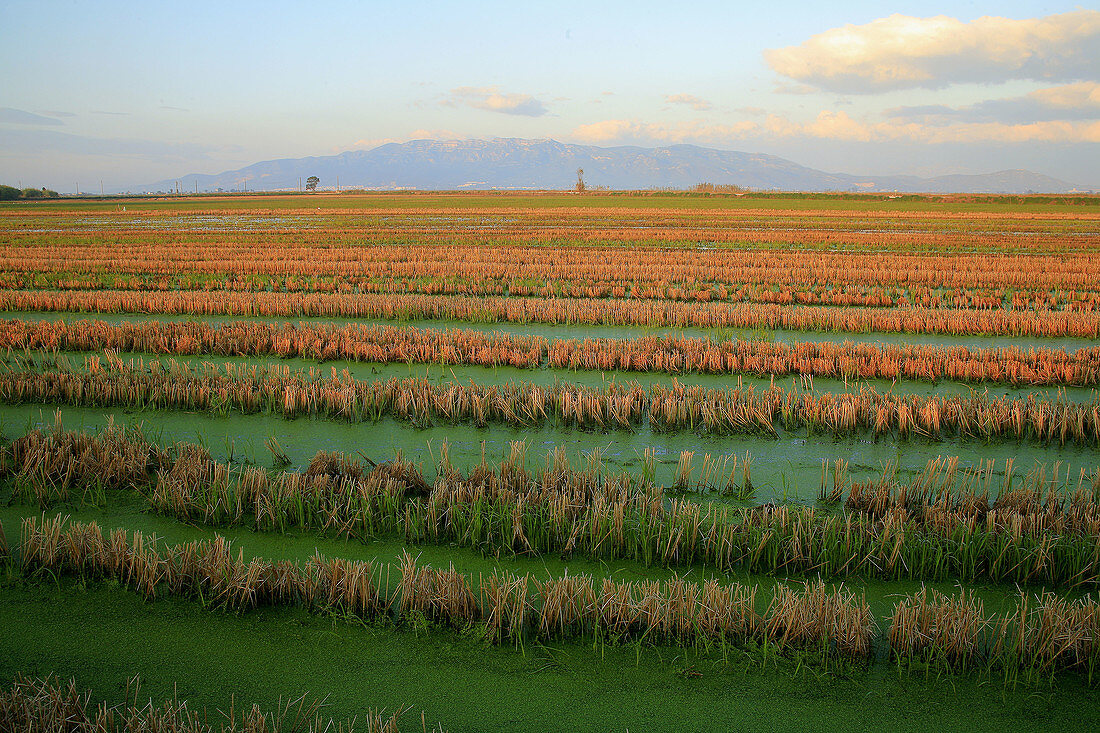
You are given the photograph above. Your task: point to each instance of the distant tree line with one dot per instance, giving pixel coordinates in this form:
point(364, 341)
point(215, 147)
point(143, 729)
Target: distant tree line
point(11, 193)
point(718, 188)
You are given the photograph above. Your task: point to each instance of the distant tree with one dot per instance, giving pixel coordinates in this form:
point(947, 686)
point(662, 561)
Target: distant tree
point(10, 193)
point(718, 188)
point(311, 183)
point(580, 180)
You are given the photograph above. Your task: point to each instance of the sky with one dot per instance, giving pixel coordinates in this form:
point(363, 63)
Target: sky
point(121, 94)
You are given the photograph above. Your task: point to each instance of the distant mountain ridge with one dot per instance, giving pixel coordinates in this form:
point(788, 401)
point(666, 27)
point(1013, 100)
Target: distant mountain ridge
point(513, 163)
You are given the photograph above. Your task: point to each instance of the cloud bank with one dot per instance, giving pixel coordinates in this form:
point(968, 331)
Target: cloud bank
point(493, 100)
point(1080, 101)
point(697, 104)
point(839, 126)
point(900, 51)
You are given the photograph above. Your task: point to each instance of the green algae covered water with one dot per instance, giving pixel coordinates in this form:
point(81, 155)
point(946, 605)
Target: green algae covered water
point(103, 635)
point(783, 468)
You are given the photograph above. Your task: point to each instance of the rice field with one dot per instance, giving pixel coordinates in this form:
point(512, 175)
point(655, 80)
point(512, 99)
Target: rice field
point(353, 461)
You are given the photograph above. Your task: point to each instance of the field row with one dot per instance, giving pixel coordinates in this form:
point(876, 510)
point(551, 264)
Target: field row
point(274, 390)
point(657, 443)
point(571, 219)
point(558, 206)
point(1044, 634)
point(864, 296)
point(668, 354)
point(941, 525)
point(580, 312)
point(47, 704)
point(694, 268)
point(756, 238)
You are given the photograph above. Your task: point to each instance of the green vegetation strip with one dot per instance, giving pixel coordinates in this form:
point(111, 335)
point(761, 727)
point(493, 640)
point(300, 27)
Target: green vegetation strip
point(591, 330)
point(105, 637)
point(1043, 531)
point(824, 622)
point(785, 469)
point(703, 289)
point(1043, 635)
point(46, 704)
point(585, 312)
point(277, 390)
point(503, 375)
point(667, 354)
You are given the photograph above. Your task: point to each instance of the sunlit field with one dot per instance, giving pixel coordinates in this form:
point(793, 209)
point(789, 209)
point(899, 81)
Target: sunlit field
point(547, 461)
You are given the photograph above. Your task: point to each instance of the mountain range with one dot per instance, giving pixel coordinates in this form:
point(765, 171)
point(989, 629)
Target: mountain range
point(511, 163)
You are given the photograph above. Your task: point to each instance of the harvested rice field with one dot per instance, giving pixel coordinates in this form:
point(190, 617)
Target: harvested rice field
point(509, 462)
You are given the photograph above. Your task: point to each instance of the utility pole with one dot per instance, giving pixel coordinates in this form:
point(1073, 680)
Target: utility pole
point(337, 184)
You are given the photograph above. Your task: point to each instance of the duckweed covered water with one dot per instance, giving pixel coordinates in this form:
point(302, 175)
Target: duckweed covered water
point(104, 636)
point(783, 468)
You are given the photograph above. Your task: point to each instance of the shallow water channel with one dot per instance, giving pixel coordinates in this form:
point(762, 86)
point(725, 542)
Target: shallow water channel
point(787, 467)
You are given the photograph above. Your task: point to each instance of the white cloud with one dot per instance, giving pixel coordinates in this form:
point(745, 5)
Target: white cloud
point(697, 104)
point(1080, 101)
point(901, 51)
point(624, 131)
point(1081, 96)
point(1048, 131)
point(838, 126)
point(494, 100)
point(830, 125)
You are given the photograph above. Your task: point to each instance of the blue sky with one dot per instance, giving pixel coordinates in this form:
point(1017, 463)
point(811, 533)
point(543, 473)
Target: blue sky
point(130, 93)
